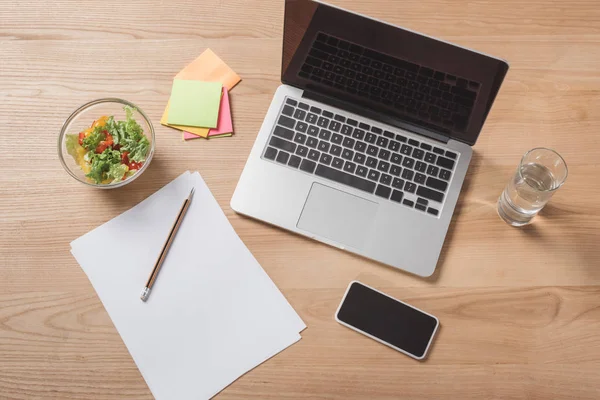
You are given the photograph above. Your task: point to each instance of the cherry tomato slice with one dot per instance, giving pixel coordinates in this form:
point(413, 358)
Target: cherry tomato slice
point(135, 165)
point(81, 137)
point(124, 157)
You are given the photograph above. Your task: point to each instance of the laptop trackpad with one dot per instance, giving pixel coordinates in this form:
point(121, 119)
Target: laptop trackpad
point(337, 215)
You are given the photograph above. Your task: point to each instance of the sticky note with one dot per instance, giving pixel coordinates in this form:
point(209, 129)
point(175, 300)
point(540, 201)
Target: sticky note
point(201, 132)
point(224, 124)
point(189, 136)
point(195, 103)
point(207, 67)
point(210, 68)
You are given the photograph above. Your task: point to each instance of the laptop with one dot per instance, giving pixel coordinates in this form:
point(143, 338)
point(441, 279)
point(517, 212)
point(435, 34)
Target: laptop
point(366, 143)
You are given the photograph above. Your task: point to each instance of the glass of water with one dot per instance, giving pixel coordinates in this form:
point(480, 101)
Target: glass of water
point(540, 173)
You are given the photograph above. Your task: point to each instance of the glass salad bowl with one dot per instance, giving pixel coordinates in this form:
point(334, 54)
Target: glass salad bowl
point(106, 143)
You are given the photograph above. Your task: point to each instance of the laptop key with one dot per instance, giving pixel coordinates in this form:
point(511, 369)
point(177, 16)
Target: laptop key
point(372, 150)
point(325, 159)
point(349, 167)
point(324, 134)
point(347, 130)
point(445, 174)
point(418, 154)
point(323, 122)
point(397, 196)
point(344, 178)
point(445, 163)
point(373, 175)
point(408, 174)
point(339, 118)
point(420, 207)
point(314, 155)
point(438, 150)
point(312, 142)
point(335, 150)
point(406, 150)
point(383, 191)
point(291, 102)
point(362, 171)
point(451, 155)
point(396, 158)
point(420, 166)
point(410, 187)
point(302, 151)
point(420, 178)
point(294, 161)
point(283, 132)
point(359, 158)
point(394, 146)
point(301, 126)
point(430, 157)
point(371, 162)
point(337, 163)
point(383, 166)
point(408, 162)
point(395, 170)
point(426, 146)
point(347, 154)
point(312, 118)
point(336, 138)
point(282, 144)
point(300, 138)
point(360, 146)
point(323, 146)
point(432, 170)
point(313, 130)
point(384, 154)
point(387, 134)
point(358, 134)
point(385, 179)
point(430, 194)
point(303, 106)
point(300, 114)
point(335, 126)
point(348, 142)
point(382, 141)
point(422, 201)
point(308, 166)
point(270, 153)
point(288, 110)
point(315, 110)
point(398, 183)
point(286, 121)
point(407, 202)
point(370, 138)
point(401, 138)
point(436, 184)
point(432, 211)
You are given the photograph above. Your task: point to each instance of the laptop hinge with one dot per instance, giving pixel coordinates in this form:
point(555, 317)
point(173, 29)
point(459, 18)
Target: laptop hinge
point(361, 108)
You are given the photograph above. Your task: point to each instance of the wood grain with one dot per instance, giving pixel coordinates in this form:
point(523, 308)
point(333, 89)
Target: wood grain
point(519, 308)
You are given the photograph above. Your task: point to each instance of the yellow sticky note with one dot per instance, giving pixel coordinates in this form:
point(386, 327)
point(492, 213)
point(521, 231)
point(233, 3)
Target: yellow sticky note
point(207, 67)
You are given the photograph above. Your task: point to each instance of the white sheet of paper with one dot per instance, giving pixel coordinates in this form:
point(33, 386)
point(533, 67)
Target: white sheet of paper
point(213, 313)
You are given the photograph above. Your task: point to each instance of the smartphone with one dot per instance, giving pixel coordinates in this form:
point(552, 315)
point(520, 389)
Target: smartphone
point(387, 320)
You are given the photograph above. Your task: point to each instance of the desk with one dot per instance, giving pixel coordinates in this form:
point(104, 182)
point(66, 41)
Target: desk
point(519, 308)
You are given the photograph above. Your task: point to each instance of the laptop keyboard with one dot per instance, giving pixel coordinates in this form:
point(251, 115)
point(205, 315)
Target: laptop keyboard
point(366, 157)
point(437, 98)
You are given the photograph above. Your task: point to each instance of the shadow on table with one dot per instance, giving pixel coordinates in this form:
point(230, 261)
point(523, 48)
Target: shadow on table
point(155, 177)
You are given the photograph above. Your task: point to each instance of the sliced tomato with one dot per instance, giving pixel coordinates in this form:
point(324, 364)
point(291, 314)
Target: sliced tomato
point(135, 165)
point(109, 139)
point(124, 157)
point(101, 147)
point(81, 137)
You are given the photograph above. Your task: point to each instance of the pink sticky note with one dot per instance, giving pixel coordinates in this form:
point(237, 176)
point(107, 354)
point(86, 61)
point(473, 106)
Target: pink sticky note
point(224, 123)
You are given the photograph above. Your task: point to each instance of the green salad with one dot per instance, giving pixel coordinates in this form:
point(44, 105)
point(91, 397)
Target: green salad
point(110, 151)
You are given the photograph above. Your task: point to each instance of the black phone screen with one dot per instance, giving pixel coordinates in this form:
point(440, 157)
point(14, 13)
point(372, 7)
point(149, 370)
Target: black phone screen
point(387, 319)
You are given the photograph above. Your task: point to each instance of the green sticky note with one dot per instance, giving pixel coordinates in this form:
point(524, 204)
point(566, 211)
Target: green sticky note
point(195, 103)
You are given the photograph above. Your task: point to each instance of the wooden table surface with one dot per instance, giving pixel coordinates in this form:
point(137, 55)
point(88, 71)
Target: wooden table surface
point(519, 308)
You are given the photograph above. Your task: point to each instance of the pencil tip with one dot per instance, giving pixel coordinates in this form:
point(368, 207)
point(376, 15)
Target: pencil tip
point(191, 193)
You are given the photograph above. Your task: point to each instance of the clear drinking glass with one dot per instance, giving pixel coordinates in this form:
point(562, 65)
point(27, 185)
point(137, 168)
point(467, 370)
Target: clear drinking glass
point(539, 174)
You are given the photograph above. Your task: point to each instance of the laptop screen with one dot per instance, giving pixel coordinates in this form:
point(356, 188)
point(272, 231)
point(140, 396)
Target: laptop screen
point(395, 75)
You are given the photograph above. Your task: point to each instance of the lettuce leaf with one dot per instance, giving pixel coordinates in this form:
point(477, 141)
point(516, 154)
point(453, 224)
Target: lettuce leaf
point(101, 165)
point(72, 143)
point(116, 172)
point(93, 140)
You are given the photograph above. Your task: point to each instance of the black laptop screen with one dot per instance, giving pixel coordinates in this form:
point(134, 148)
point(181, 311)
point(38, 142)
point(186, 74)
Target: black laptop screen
point(405, 78)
